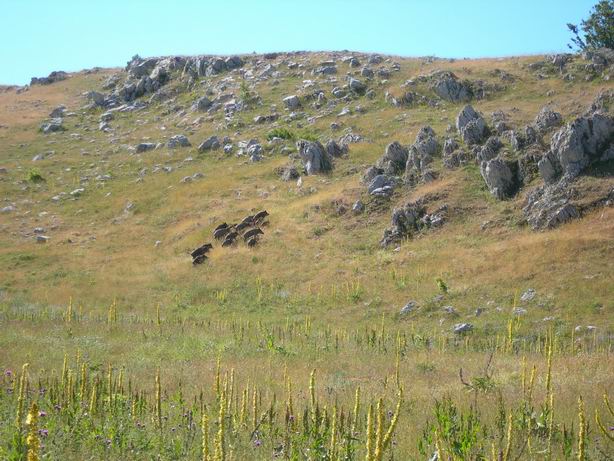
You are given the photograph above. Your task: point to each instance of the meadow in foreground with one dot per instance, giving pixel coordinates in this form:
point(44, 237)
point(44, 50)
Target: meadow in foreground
point(298, 390)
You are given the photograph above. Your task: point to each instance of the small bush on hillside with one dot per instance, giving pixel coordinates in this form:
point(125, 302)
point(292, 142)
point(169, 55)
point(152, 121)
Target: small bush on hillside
point(308, 135)
point(282, 133)
point(35, 176)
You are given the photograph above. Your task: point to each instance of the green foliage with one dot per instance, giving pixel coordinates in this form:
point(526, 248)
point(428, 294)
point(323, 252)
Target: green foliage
point(319, 231)
point(35, 176)
point(248, 97)
point(459, 431)
point(598, 28)
point(443, 287)
point(282, 133)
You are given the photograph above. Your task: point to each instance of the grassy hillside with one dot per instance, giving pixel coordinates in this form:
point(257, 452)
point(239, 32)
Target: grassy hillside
point(316, 288)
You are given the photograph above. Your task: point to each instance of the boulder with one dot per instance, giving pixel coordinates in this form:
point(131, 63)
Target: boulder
point(467, 114)
point(145, 146)
point(314, 156)
point(394, 159)
point(336, 150)
point(490, 149)
point(379, 182)
point(455, 159)
point(58, 112)
point(421, 152)
point(448, 87)
point(450, 145)
point(138, 67)
point(233, 62)
point(354, 62)
point(412, 218)
point(356, 85)
point(408, 308)
point(547, 119)
point(326, 70)
point(367, 72)
point(474, 132)
point(289, 173)
point(202, 104)
point(211, 143)
point(255, 152)
point(292, 102)
point(471, 126)
point(55, 76)
point(107, 116)
point(462, 328)
point(53, 125)
point(501, 177)
point(521, 141)
point(179, 140)
point(550, 205)
point(584, 141)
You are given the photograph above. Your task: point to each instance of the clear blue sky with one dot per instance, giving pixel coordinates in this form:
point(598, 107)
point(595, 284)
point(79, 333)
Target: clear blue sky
point(38, 36)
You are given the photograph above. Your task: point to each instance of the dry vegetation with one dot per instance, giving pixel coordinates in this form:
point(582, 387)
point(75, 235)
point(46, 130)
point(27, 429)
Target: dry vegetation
point(318, 293)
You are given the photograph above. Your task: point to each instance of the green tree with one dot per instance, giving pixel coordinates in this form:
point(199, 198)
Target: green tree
point(598, 28)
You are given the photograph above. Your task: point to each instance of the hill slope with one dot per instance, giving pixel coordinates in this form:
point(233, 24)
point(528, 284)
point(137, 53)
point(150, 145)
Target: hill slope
point(101, 211)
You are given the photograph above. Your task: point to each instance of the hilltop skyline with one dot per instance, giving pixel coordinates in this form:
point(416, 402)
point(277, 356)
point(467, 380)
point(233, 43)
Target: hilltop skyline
point(71, 36)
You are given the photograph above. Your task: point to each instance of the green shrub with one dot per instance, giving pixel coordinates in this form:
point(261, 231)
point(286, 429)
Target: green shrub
point(35, 176)
point(282, 133)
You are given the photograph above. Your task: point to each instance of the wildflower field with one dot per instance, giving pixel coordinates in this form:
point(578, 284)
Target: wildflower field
point(298, 390)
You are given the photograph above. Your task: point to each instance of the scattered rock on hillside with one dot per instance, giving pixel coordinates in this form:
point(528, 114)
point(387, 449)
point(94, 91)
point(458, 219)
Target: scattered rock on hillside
point(461, 328)
point(292, 102)
point(549, 206)
point(211, 143)
point(522, 140)
point(584, 141)
point(356, 85)
point(471, 126)
point(145, 146)
point(179, 140)
point(381, 185)
point(501, 177)
point(52, 126)
point(450, 145)
point(490, 149)
point(408, 308)
point(55, 76)
point(421, 152)
point(58, 112)
point(288, 173)
point(334, 149)
point(547, 119)
point(328, 69)
point(314, 156)
point(528, 295)
point(394, 159)
point(202, 104)
point(412, 218)
point(447, 86)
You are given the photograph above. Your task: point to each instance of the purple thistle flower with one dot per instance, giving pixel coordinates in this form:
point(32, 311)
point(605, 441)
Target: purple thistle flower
point(8, 373)
point(43, 432)
point(257, 442)
point(42, 413)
